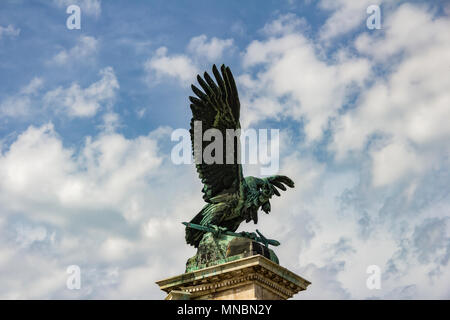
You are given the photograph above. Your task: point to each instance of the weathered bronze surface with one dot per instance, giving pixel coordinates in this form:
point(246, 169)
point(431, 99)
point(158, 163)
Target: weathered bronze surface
point(217, 249)
point(230, 197)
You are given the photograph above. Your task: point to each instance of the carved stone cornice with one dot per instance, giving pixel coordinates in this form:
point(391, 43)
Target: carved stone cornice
point(251, 271)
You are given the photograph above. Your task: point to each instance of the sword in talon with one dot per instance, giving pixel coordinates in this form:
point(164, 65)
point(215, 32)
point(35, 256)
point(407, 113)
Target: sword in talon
point(260, 239)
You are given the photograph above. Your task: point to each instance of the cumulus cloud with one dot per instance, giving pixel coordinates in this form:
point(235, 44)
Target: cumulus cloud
point(180, 67)
point(27, 235)
point(393, 162)
point(84, 102)
point(365, 141)
point(293, 78)
point(86, 203)
point(184, 67)
point(38, 156)
point(326, 285)
point(285, 24)
point(9, 31)
point(406, 107)
point(84, 49)
point(346, 15)
point(431, 240)
point(390, 126)
point(211, 50)
point(20, 104)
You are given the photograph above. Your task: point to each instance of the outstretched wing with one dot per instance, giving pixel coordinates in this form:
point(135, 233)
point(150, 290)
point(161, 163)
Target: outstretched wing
point(216, 107)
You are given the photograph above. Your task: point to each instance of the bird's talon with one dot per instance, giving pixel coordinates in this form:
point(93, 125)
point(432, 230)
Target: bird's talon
point(217, 230)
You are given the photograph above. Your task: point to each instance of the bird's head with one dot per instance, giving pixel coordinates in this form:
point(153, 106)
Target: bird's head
point(261, 192)
point(265, 193)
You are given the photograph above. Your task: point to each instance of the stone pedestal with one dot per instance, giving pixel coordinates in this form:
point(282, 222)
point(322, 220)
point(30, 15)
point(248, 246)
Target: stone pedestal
point(250, 278)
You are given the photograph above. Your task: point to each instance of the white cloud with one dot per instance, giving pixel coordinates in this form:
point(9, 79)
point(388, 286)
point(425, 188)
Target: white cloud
point(85, 48)
point(431, 238)
point(346, 16)
point(285, 24)
point(27, 235)
point(184, 67)
point(115, 248)
point(16, 106)
point(9, 31)
point(33, 87)
point(34, 274)
point(408, 19)
point(20, 104)
point(79, 102)
point(212, 50)
point(74, 191)
point(395, 131)
point(106, 203)
point(111, 121)
point(38, 171)
point(408, 106)
point(326, 285)
point(393, 162)
point(292, 80)
point(180, 67)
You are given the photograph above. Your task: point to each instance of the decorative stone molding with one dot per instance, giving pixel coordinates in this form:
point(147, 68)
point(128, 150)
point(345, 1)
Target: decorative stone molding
point(254, 277)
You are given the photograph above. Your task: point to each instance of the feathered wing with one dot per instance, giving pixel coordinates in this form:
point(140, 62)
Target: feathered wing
point(216, 107)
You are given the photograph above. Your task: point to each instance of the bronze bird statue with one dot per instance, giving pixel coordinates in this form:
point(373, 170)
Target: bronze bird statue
point(230, 197)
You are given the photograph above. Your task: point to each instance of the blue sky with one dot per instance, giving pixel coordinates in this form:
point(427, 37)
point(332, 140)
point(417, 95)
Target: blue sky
point(86, 117)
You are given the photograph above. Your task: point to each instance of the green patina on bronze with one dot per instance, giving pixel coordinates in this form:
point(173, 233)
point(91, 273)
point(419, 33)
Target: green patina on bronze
point(217, 249)
point(230, 197)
